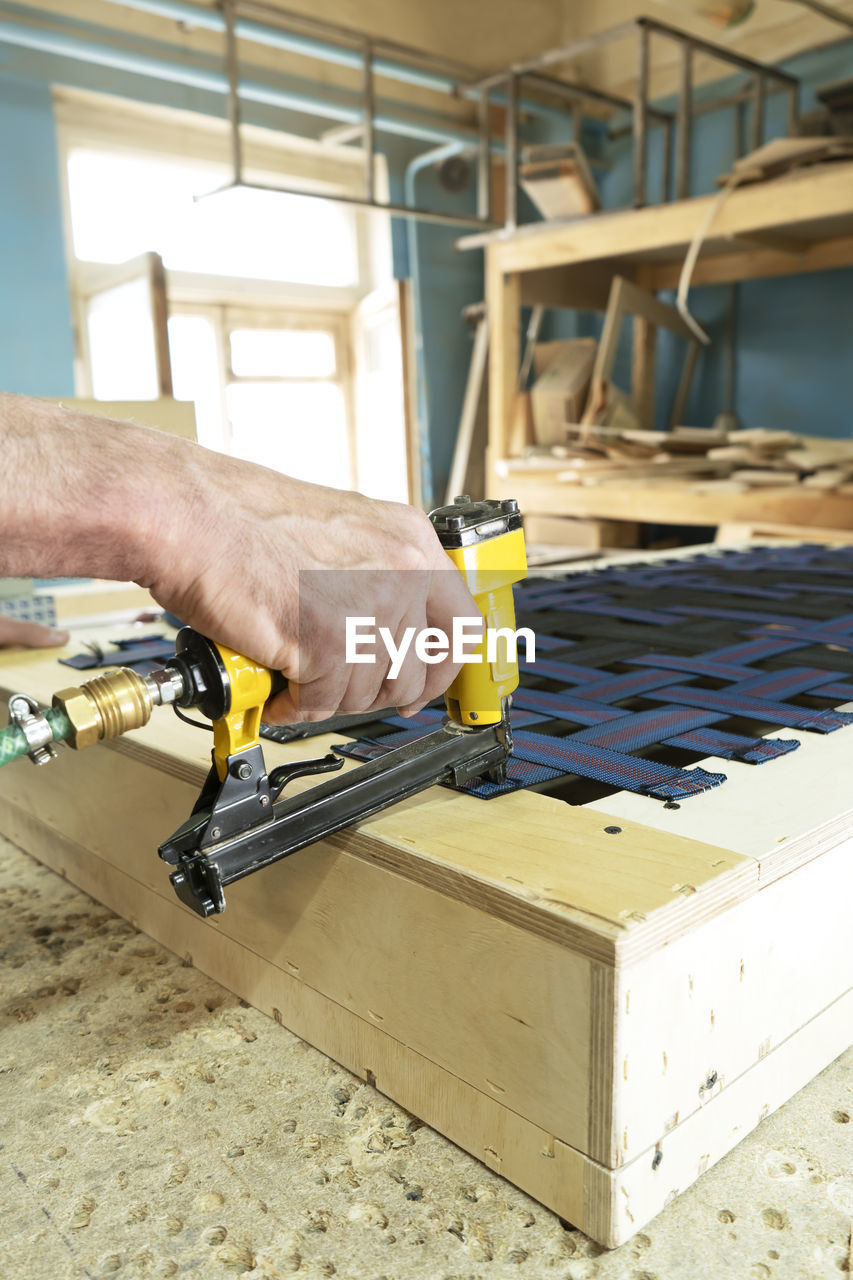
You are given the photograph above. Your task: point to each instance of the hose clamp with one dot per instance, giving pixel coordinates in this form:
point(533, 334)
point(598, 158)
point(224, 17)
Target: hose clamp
point(24, 712)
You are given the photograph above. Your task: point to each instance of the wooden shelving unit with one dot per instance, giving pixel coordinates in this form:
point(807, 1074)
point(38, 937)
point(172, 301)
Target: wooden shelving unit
point(797, 223)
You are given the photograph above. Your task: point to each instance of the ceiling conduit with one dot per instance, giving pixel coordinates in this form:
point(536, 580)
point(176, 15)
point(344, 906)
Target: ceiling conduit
point(68, 46)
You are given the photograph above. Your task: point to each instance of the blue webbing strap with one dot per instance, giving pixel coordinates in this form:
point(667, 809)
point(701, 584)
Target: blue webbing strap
point(612, 688)
point(656, 642)
point(703, 666)
point(552, 669)
point(763, 709)
point(732, 746)
point(784, 684)
point(814, 635)
point(745, 652)
point(631, 773)
point(840, 692)
point(538, 759)
point(745, 616)
point(612, 609)
point(644, 728)
point(564, 706)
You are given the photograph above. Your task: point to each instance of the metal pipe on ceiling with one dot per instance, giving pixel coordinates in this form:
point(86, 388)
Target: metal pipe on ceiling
point(326, 50)
point(275, 37)
point(63, 45)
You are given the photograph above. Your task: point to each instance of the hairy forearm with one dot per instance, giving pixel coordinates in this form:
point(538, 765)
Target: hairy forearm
point(81, 496)
point(223, 544)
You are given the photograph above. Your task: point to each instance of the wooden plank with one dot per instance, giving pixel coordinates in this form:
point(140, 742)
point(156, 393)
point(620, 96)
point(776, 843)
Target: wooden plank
point(679, 407)
point(609, 341)
point(539, 493)
point(574, 884)
point(409, 370)
point(648, 312)
point(772, 240)
point(728, 268)
point(468, 461)
point(636, 1193)
point(740, 534)
point(592, 534)
point(643, 348)
point(584, 287)
point(160, 322)
point(627, 298)
point(503, 302)
point(637, 301)
point(479, 995)
point(818, 195)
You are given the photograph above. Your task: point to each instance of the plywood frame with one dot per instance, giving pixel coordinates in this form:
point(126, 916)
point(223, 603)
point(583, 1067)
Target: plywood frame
point(597, 1016)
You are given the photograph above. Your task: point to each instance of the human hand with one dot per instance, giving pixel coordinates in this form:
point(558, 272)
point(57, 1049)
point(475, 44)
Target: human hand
point(31, 635)
point(271, 567)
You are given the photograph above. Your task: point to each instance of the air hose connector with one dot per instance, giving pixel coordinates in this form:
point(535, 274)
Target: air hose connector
point(115, 703)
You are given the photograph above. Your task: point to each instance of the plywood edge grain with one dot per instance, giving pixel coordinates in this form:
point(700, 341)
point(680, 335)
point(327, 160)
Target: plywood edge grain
point(692, 1017)
point(619, 1202)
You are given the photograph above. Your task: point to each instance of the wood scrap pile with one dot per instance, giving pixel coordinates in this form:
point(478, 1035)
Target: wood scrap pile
point(733, 462)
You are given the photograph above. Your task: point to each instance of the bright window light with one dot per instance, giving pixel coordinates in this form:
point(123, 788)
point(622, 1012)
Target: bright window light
point(299, 428)
point(121, 343)
point(195, 374)
point(123, 205)
point(282, 353)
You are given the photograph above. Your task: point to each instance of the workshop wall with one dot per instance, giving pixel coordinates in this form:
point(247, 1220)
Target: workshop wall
point(36, 341)
point(787, 368)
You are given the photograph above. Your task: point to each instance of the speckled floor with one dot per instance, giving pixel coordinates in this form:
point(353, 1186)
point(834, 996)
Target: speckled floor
point(153, 1125)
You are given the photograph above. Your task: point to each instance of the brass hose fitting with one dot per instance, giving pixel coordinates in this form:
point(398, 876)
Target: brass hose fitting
point(106, 707)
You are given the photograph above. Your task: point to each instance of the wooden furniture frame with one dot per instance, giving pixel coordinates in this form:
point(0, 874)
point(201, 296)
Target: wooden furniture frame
point(598, 1002)
point(800, 222)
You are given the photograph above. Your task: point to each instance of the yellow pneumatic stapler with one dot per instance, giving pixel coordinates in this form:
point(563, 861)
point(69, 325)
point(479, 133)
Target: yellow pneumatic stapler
point(239, 824)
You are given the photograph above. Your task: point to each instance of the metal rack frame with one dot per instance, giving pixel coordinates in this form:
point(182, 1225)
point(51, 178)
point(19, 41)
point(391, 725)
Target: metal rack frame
point(368, 49)
point(504, 88)
point(766, 78)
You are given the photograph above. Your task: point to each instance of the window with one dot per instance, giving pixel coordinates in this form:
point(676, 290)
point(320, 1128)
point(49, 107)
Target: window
point(278, 395)
point(260, 306)
point(124, 205)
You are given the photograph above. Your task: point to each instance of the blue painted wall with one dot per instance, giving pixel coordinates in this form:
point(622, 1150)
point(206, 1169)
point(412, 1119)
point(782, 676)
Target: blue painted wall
point(36, 341)
point(792, 364)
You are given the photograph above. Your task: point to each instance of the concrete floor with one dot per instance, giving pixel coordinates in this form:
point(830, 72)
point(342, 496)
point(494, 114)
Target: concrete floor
point(153, 1125)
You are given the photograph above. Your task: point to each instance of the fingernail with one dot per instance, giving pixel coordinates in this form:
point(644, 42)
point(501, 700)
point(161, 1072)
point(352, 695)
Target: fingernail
point(413, 710)
point(57, 637)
